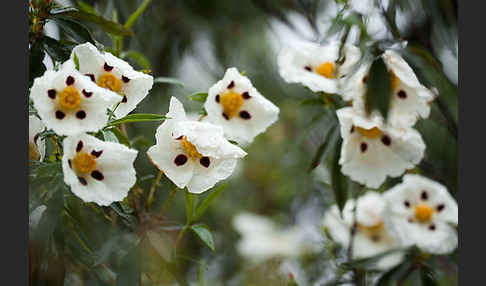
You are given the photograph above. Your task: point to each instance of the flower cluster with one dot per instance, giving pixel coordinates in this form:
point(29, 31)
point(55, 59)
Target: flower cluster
point(418, 212)
point(372, 149)
point(93, 86)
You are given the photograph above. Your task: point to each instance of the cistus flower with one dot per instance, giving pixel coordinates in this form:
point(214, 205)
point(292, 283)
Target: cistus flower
point(371, 150)
point(114, 74)
point(239, 108)
point(261, 239)
point(192, 154)
point(98, 171)
point(37, 146)
point(372, 236)
point(69, 103)
point(421, 212)
point(410, 100)
point(315, 66)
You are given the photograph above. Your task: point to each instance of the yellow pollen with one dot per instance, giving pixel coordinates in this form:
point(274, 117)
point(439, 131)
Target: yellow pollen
point(326, 69)
point(84, 163)
point(191, 150)
point(423, 212)
point(108, 80)
point(69, 98)
point(395, 81)
point(33, 152)
point(231, 102)
point(373, 228)
point(370, 133)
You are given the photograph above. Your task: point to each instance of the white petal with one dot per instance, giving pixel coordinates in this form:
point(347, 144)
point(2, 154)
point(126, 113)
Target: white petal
point(94, 107)
point(35, 127)
point(338, 228)
point(205, 178)
point(370, 209)
point(115, 163)
point(263, 112)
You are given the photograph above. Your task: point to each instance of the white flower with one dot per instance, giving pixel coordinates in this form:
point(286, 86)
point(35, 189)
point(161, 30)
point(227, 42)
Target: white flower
point(239, 108)
point(114, 74)
point(372, 236)
point(192, 154)
point(262, 240)
point(69, 103)
point(421, 212)
point(410, 99)
point(97, 171)
point(372, 151)
point(37, 147)
point(315, 66)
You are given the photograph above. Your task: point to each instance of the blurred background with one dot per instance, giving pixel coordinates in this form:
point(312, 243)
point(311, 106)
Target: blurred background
point(195, 41)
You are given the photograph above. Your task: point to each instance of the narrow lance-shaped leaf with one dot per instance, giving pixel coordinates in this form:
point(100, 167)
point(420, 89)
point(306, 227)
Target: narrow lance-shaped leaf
point(338, 180)
point(137, 57)
point(379, 89)
point(201, 209)
point(168, 80)
point(328, 140)
point(131, 20)
point(199, 96)
point(56, 50)
point(138, 117)
point(204, 234)
point(75, 30)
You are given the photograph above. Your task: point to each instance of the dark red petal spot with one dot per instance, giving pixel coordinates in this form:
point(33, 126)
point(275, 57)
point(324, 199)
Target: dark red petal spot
point(410, 220)
point(79, 146)
point(246, 95)
point(440, 207)
point(96, 153)
point(180, 160)
point(107, 67)
point(69, 163)
point(81, 114)
point(352, 129)
point(36, 137)
point(402, 94)
point(86, 93)
point(407, 204)
point(386, 140)
point(245, 115)
point(232, 84)
point(217, 98)
point(375, 238)
point(97, 175)
point(51, 93)
point(424, 195)
point(124, 99)
point(69, 80)
point(91, 76)
point(125, 79)
point(179, 138)
point(60, 114)
point(432, 227)
point(205, 161)
point(365, 78)
point(82, 181)
point(308, 68)
point(225, 116)
point(363, 147)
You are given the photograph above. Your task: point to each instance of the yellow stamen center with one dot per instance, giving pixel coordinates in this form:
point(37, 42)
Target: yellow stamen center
point(191, 150)
point(423, 212)
point(231, 102)
point(326, 69)
point(33, 152)
point(108, 80)
point(84, 163)
point(373, 228)
point(370, 133)
point(395, 81)
point(70, 98)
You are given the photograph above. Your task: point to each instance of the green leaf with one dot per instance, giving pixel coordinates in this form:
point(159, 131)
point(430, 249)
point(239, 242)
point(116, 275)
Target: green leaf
point(338, 181)
point(189, 205)
point(56, 50)
point(138, 117)
point(201, 209)
point(199, 96)
point(312, 101)
point(36, 66)
point(379, 89)
point(106, 25)
point(168, 80)
point(85, 7)
point(391, 276)
point(428, 276)
point(204, 234)
point(131, 20)
point(130, 220)
point(137, 57)
point(76, 61)
point(75, 30)
point(110, 136)
point(120, 136)
point(324, 148)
